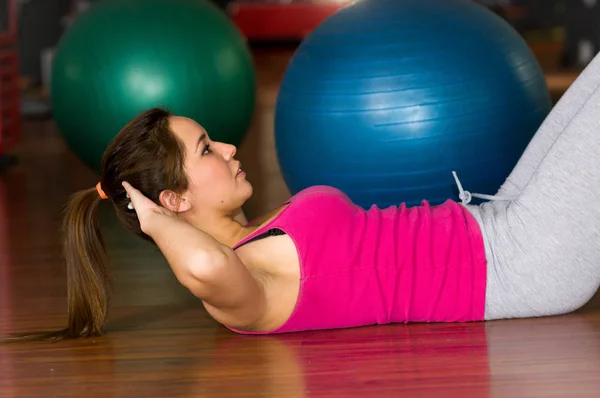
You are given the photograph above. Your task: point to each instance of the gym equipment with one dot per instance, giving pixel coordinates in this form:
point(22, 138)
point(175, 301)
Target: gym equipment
point(120, 58)
point(386, 98)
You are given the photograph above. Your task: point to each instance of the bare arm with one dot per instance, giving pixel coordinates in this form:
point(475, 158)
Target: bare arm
point(210, 270)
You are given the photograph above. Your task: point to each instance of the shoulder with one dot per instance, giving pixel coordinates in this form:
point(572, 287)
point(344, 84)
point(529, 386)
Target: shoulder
point(319, 193)
point(316, 206)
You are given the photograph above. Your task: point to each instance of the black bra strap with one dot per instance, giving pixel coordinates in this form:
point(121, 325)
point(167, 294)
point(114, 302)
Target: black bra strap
point(266, 234)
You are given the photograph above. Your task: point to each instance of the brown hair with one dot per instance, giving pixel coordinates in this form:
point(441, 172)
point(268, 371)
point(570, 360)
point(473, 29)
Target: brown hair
point(146, 154)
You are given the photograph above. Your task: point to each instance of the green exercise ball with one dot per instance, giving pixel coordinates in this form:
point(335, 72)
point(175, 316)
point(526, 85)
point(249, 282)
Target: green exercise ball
point(122, 57)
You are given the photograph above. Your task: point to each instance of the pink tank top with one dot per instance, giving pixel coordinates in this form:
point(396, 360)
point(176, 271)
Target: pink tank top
point(362, 267)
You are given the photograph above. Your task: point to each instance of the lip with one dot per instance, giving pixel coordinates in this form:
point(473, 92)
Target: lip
point(241, 172)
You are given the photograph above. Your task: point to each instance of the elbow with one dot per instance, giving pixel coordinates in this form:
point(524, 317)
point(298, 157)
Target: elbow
point(204, 266)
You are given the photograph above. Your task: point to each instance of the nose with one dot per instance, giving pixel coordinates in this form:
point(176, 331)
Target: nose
point(227, 150)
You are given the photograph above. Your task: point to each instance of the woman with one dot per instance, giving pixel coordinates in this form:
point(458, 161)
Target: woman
point(318, 261)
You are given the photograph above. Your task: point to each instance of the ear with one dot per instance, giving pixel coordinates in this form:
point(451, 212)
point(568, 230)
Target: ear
point(173, 201)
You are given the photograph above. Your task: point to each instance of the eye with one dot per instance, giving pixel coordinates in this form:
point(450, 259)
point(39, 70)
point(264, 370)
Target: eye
point(206, 149)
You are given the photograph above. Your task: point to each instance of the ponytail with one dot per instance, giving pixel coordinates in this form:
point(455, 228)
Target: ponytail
point(88, 280)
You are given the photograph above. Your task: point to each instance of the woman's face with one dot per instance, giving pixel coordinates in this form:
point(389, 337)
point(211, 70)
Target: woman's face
point(216, 181)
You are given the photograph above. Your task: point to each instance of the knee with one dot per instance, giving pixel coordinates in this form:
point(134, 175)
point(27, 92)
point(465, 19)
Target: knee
point(576, 296)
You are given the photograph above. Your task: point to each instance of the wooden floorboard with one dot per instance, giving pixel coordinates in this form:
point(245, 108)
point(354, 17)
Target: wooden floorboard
point(161, 343)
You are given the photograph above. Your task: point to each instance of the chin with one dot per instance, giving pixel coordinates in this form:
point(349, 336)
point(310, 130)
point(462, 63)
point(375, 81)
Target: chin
point(244, 192)
point(248, 192)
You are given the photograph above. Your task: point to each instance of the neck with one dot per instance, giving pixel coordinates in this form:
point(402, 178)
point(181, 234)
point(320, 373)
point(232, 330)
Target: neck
point(227, 229)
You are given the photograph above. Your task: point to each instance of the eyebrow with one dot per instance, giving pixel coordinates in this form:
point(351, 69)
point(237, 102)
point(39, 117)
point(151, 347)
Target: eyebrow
point(200, 139)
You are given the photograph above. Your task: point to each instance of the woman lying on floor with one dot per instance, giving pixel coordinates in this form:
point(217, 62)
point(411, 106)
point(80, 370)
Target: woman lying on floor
point(319, 261)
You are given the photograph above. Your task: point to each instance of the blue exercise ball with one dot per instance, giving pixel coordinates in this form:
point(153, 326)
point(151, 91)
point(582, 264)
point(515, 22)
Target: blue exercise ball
point(386, 98)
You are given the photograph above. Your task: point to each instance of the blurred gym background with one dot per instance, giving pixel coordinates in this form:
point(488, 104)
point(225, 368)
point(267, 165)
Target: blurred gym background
point(563, 34)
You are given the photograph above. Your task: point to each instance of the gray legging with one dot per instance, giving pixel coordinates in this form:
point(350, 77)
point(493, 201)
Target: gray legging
point(543, 243)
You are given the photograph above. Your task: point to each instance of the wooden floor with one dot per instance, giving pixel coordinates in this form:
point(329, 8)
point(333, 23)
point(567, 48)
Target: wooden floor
point(161, 343)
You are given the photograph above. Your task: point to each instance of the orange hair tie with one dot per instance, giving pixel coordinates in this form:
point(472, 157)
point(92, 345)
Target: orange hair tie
point(100, 191)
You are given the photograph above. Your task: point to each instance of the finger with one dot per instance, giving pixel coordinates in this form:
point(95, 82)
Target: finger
point(129, 194)
point(129, 189)
point(138, 199)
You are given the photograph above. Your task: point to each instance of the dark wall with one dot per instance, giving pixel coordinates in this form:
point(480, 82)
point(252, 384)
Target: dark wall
point(40, 28)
